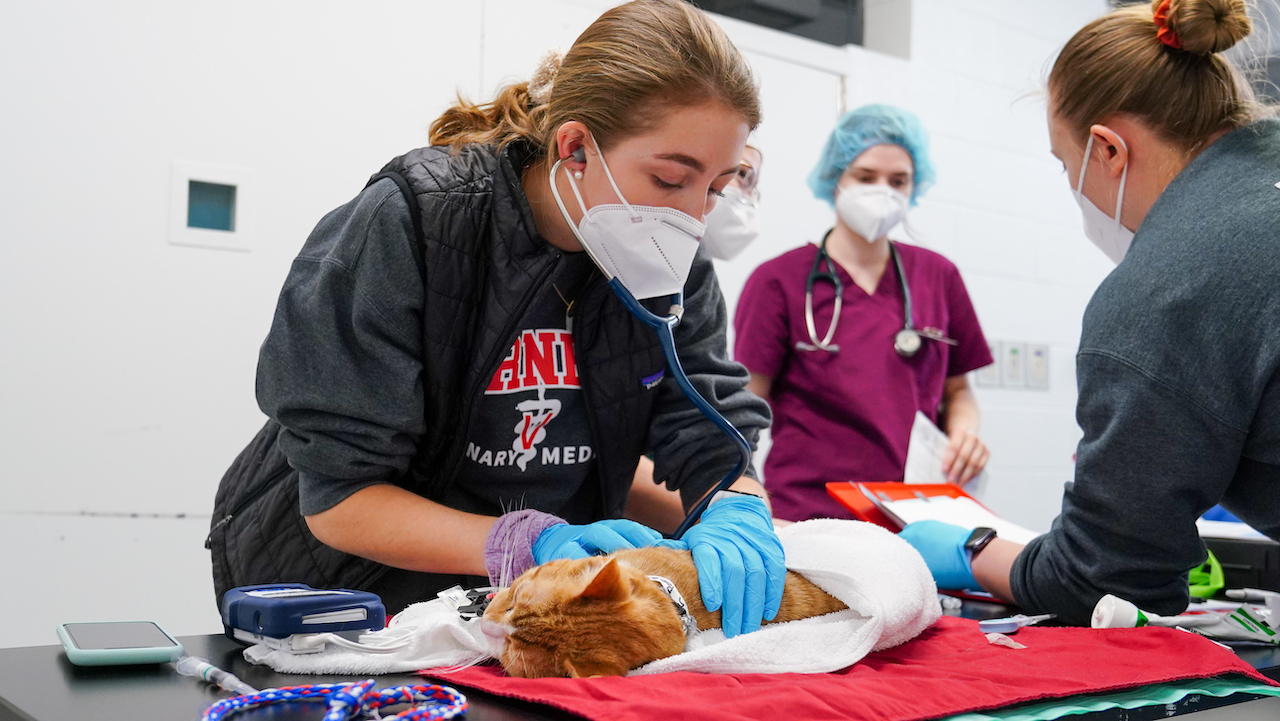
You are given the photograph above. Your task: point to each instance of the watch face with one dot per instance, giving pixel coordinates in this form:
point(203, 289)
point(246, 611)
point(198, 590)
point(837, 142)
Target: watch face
point(979, 539)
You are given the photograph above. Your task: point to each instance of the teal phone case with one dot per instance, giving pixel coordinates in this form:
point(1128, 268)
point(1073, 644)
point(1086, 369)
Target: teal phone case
point(118, 656)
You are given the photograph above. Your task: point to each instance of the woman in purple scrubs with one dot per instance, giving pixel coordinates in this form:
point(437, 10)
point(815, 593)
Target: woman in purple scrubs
point(844, 396)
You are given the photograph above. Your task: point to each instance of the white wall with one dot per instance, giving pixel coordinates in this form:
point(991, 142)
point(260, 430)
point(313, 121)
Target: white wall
point(1003, 212)
point(127, 375)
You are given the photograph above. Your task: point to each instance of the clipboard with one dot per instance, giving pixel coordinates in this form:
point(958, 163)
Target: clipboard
point(867, 502)
point(874, 502)
point(864, 499)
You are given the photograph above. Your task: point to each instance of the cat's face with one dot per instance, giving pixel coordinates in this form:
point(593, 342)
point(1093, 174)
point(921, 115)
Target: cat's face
point(588, 617)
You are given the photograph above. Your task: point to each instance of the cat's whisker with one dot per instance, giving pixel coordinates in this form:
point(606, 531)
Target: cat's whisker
point(508, 575)
point(476, 660)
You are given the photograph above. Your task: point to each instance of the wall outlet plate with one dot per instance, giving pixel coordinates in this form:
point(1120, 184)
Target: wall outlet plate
point(1014, 365)
point(1037, 366)
point(989, 376)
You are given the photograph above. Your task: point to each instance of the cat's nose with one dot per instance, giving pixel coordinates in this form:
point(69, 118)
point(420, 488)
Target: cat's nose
point(495, 636)
point(493, 630)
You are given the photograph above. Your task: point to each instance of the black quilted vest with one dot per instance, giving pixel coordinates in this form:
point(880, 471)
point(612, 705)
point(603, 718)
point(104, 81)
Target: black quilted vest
point(481, 262)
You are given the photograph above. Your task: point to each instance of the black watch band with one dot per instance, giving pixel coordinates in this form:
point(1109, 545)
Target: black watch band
point(979, 539)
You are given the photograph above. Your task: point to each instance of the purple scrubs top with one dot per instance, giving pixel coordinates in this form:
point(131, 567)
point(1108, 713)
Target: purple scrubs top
point(847, 416)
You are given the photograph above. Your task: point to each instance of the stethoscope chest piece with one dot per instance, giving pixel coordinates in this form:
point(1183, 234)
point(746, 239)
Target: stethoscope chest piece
point(907, 342)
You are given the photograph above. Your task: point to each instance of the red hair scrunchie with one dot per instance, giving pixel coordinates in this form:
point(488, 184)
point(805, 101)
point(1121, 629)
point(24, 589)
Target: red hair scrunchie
point(1163, 33)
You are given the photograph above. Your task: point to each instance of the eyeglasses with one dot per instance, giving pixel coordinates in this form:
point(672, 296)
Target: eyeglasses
point(747, 177)
point(745, 181)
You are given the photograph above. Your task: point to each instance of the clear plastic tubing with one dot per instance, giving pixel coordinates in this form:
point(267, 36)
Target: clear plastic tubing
point(202, 669)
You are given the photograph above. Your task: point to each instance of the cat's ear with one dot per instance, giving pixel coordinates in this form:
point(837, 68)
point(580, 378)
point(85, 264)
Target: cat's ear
point(593, 668)
point(608, 585)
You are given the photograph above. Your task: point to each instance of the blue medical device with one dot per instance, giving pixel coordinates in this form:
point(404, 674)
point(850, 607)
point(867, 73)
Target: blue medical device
point(664, 325)
point(280, 610)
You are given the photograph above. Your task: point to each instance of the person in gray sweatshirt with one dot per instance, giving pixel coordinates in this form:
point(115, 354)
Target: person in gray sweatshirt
point(1177, 170)
point(460, 377)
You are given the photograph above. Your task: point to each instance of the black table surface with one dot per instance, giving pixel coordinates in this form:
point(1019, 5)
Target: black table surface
point(39, 683)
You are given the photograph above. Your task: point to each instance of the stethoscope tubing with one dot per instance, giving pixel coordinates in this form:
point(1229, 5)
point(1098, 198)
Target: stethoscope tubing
point(907, 340)
point(665, 326)
point(815, 274)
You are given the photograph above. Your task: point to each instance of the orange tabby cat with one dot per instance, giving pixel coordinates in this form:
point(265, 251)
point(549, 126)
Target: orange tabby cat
point(602, 616)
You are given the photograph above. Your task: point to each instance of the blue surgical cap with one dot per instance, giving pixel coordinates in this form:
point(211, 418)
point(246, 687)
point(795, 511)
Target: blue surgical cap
point(862, 128)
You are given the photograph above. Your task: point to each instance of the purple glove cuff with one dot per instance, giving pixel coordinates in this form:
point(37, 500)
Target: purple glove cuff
point(508, 551)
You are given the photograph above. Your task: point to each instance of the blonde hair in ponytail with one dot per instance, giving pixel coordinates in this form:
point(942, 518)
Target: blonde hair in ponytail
point(1117, 65)
point(508, 117)
point(630, 64)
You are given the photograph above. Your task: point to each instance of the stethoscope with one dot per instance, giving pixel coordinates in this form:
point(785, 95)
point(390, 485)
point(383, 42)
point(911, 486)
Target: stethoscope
point(664, 326)
point(907, 341)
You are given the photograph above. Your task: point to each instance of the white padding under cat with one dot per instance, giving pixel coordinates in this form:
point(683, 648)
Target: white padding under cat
point(884, 582)
point(881, 578)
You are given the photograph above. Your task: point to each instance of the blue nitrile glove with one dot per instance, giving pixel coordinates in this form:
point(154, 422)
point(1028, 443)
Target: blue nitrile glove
point(942, 546)
point(741, 569)
point(568, 541)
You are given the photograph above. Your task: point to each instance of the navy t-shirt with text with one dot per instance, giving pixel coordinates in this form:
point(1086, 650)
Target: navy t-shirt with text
point(529, 443)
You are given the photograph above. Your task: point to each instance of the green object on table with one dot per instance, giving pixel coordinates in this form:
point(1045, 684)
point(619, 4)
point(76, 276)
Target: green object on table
point(1154, 695)
point(1207, 579)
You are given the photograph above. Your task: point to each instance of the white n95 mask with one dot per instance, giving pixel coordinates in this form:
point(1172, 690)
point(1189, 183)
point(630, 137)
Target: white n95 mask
point(1104, 231)
point(648, 249)
point(870, 210)
point(731, 225)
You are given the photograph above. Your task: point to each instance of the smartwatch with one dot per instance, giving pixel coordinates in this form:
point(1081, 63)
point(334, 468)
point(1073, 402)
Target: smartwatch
point(979, 539)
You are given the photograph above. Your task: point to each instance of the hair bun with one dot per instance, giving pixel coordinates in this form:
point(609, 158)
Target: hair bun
point(544, 76)
point(1208, 26)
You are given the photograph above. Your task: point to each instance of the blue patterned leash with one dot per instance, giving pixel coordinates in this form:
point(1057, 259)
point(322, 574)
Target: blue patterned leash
point(353, 700)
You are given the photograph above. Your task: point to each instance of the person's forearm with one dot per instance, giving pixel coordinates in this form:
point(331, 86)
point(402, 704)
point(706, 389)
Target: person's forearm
point(961, 410)
point(652, 503)
point(658, 508)
point(992, 565)
point(747, 484)
point(761, 385)
point(395, 527)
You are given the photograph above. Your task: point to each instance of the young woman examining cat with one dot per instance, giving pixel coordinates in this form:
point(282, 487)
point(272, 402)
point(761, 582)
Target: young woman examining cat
point(454, 392)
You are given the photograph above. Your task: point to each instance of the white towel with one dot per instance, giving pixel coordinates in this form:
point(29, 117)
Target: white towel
point(433, 633)
point(884, 582)
point(881, 578)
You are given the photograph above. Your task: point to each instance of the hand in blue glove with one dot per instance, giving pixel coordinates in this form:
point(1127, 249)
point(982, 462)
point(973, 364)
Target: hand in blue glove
point(568, 541)
point(942, 546)
point(741, 569)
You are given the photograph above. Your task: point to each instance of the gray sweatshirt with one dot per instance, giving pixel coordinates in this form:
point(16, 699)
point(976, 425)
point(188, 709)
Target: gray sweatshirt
point(1179, 379)
point(342, 367)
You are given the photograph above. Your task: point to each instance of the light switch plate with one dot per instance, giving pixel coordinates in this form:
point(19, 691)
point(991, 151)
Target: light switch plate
point(1013, 371)
point(989, 376)
point(1038, 366)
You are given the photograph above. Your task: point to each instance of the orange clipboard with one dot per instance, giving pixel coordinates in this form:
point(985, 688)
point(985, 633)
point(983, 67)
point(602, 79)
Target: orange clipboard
point(860, 498)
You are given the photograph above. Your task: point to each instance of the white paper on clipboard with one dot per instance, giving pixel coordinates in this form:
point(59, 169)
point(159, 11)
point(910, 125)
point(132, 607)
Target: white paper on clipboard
point(925, 450)
point(963, 512)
